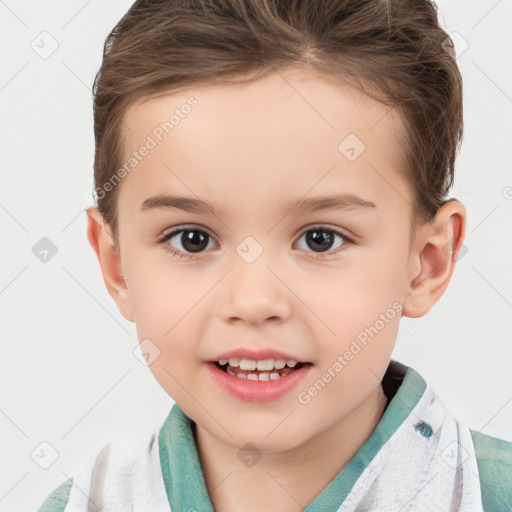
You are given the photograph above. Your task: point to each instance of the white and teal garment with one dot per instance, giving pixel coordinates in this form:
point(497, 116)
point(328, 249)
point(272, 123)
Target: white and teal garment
point(419, 458)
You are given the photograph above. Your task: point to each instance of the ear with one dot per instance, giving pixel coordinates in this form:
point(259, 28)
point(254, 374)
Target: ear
point(109, 259)
point(433, 257)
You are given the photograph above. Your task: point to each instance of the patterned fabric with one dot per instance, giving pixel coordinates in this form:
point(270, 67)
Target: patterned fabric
point(428, 464)
point(419, 458)
point(125, 476)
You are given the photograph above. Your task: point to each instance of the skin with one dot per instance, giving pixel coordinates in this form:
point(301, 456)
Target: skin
point(251, 148)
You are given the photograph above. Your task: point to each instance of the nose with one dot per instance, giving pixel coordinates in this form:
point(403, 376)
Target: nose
point(254, 293)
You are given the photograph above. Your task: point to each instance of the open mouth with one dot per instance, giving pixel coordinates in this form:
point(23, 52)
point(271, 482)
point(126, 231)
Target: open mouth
point(276, 370)
point(262, 380)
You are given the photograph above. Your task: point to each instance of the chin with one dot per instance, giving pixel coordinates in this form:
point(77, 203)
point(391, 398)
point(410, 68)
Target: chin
point(263, 441)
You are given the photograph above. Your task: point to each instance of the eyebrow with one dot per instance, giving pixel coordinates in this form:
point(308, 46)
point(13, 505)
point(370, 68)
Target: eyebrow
point(305, 205)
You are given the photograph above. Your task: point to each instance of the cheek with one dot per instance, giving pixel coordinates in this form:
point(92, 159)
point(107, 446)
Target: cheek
point(360, 318)
point(350, 304)
point(165, 319)
point(176, 342)
point(160, 298)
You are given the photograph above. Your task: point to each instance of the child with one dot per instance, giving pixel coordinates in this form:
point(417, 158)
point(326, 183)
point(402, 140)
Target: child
point(306, 149)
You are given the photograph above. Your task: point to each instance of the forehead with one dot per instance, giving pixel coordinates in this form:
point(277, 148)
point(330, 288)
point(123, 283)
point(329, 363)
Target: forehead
point(280, 136)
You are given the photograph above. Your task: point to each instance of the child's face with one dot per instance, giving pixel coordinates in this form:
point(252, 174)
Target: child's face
point(251, 151)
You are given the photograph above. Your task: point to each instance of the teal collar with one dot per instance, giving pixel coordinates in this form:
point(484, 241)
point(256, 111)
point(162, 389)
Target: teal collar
point(183, 475)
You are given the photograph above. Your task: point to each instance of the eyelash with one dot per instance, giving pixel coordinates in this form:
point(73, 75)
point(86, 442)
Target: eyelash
point(179, 254)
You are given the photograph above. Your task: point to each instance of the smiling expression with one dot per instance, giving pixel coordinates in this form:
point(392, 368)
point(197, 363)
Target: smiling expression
point(288, 243)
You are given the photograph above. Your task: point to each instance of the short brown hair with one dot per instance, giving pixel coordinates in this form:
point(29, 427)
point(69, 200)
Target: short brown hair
point(392, 50)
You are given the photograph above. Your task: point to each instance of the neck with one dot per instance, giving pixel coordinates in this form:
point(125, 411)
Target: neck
point(230, 484)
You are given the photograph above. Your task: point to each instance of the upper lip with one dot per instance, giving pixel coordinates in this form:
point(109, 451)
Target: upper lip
point(257, 355)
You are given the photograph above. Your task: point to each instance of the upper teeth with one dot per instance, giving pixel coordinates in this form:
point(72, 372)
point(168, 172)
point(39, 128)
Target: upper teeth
point(264, 364)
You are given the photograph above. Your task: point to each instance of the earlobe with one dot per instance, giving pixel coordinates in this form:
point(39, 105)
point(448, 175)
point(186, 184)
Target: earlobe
point(433, 259)
point(101, 241)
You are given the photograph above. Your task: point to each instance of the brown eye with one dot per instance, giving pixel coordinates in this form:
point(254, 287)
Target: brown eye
point(321, 239)
point(187, 241)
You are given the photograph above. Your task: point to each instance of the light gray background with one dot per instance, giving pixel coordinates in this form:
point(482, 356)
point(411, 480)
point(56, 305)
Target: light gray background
point(68, 373)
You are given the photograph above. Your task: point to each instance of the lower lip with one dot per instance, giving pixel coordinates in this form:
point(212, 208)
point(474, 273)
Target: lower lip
point(257, 390)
